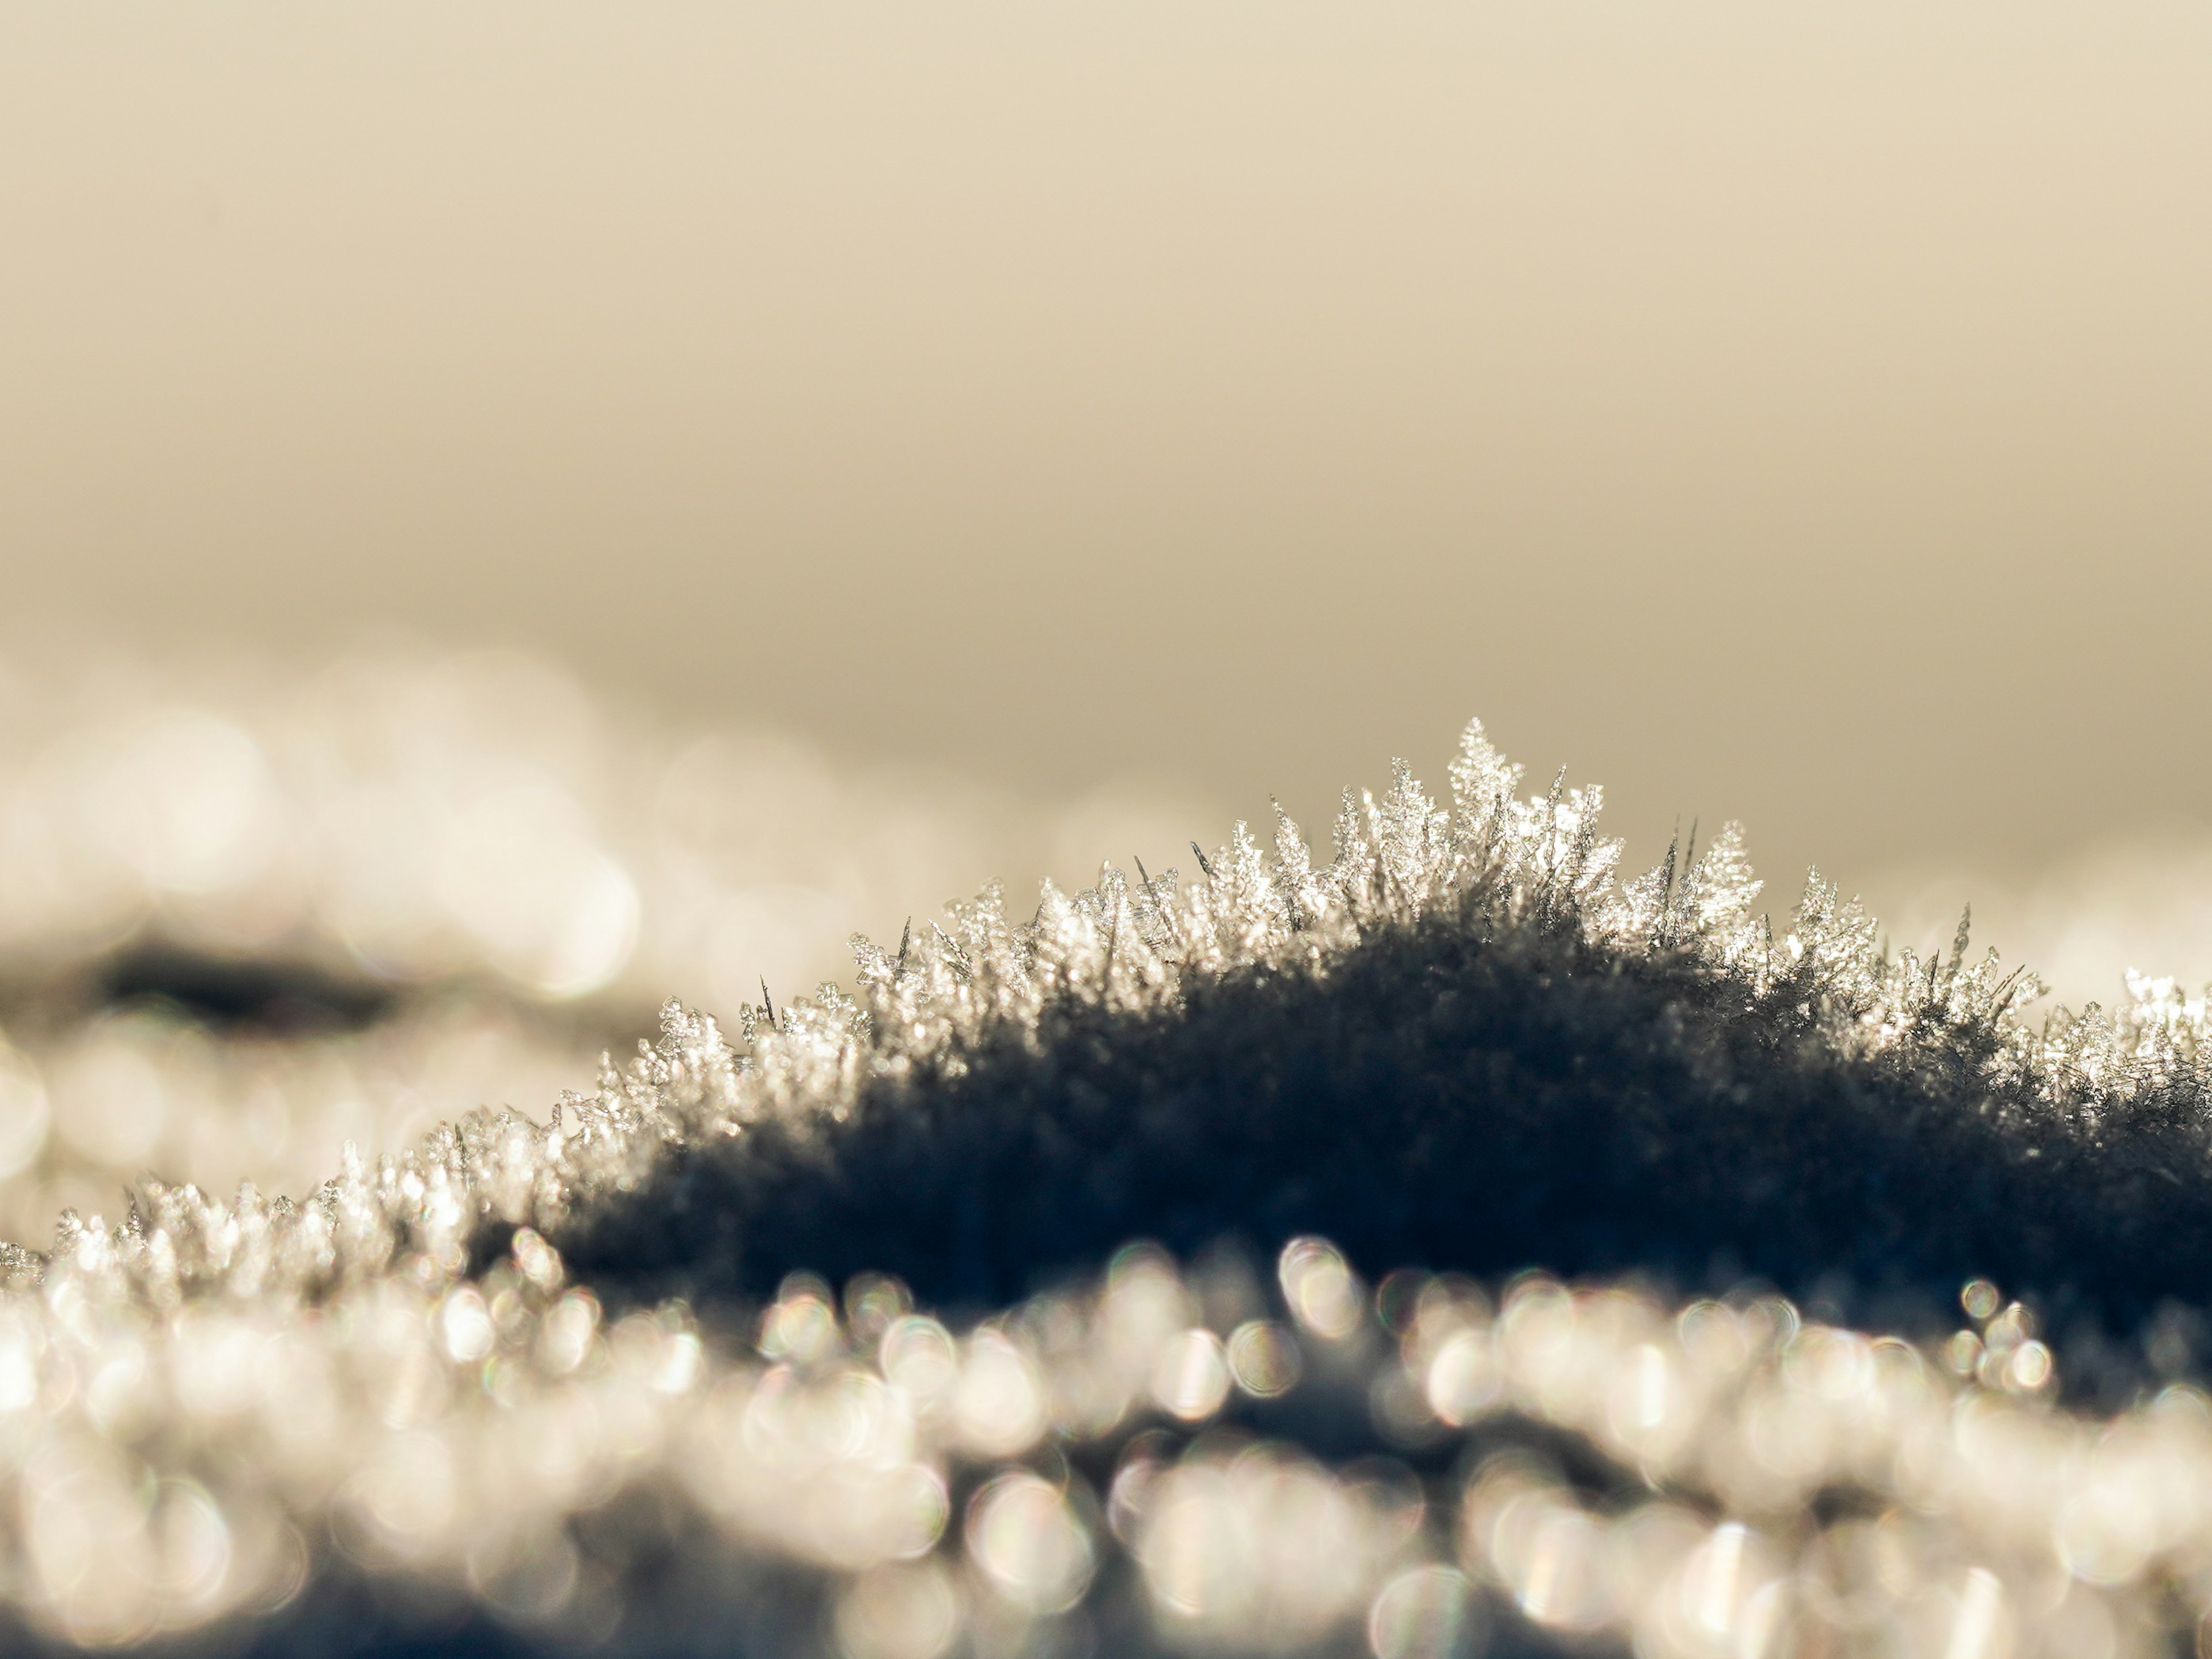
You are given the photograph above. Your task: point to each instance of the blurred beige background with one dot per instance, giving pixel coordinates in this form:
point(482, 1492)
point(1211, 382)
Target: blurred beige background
point(1802, 415)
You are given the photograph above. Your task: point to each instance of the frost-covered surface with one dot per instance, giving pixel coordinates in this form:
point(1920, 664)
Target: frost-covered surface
point(401, 884)
point(574, 1380)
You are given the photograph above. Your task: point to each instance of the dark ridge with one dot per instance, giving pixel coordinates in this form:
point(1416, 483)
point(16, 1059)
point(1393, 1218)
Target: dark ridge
point(243, 993)
point(1451, 1097)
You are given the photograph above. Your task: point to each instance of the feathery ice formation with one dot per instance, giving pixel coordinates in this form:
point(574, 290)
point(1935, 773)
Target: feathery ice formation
point(587, 1382)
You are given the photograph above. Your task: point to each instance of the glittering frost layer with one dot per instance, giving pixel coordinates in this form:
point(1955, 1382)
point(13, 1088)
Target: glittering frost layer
point(1119, 1459)
point(256, 1396)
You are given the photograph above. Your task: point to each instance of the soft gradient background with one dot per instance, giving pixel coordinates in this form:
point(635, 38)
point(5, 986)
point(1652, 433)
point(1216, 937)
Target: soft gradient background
point(1798, 414)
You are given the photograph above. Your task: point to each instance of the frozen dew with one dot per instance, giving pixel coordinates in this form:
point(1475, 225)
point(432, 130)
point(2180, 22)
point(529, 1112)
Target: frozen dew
point(861, 1417)
point(824, 1466)
point(1191, 1377)
point(1198, 1558)
point(191, 1544)
point(656, 1349)
point(873, 1303)
point(1321, 1289)
point(2105, 1529)
point(566, 1336)
point(1834, 1365)
point(1715, 1339)
point(910, 1508)
point(1720, 1600)
point(1532, 1539)
point(1426, 1613)
point(848, 1462)
point(2029, 1368)
point(1399, 1297)
point(1136, 1482)
point(801, 1324)
point(1463, 1380)
point(681, 1363)
point(464, 1326)
point(1260, 1544)
point(1147, 1303)
point(898, 1612)
point(1029, 1546)
point(918, 1355)
point(1643, 1397)
point(998, 1401)
point(539, 1262)
point(1264, 1358)
point(1549, 1557)
point(1976, 1631)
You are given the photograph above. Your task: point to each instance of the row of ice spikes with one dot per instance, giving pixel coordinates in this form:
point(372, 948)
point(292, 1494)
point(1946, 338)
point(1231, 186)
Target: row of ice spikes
point(1493, 861)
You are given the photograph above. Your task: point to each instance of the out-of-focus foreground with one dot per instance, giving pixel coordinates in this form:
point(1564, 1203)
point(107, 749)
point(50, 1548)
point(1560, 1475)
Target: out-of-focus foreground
point(248, 914)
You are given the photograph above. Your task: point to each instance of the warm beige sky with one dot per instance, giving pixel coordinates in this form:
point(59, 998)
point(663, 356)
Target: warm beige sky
point(1801, 414)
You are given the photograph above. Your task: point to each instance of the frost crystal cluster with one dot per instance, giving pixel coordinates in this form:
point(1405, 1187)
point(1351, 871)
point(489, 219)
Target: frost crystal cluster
point(1524, 1260)
point(440, 878)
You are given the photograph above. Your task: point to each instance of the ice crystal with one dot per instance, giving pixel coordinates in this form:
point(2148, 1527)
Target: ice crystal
point(659, 1371)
